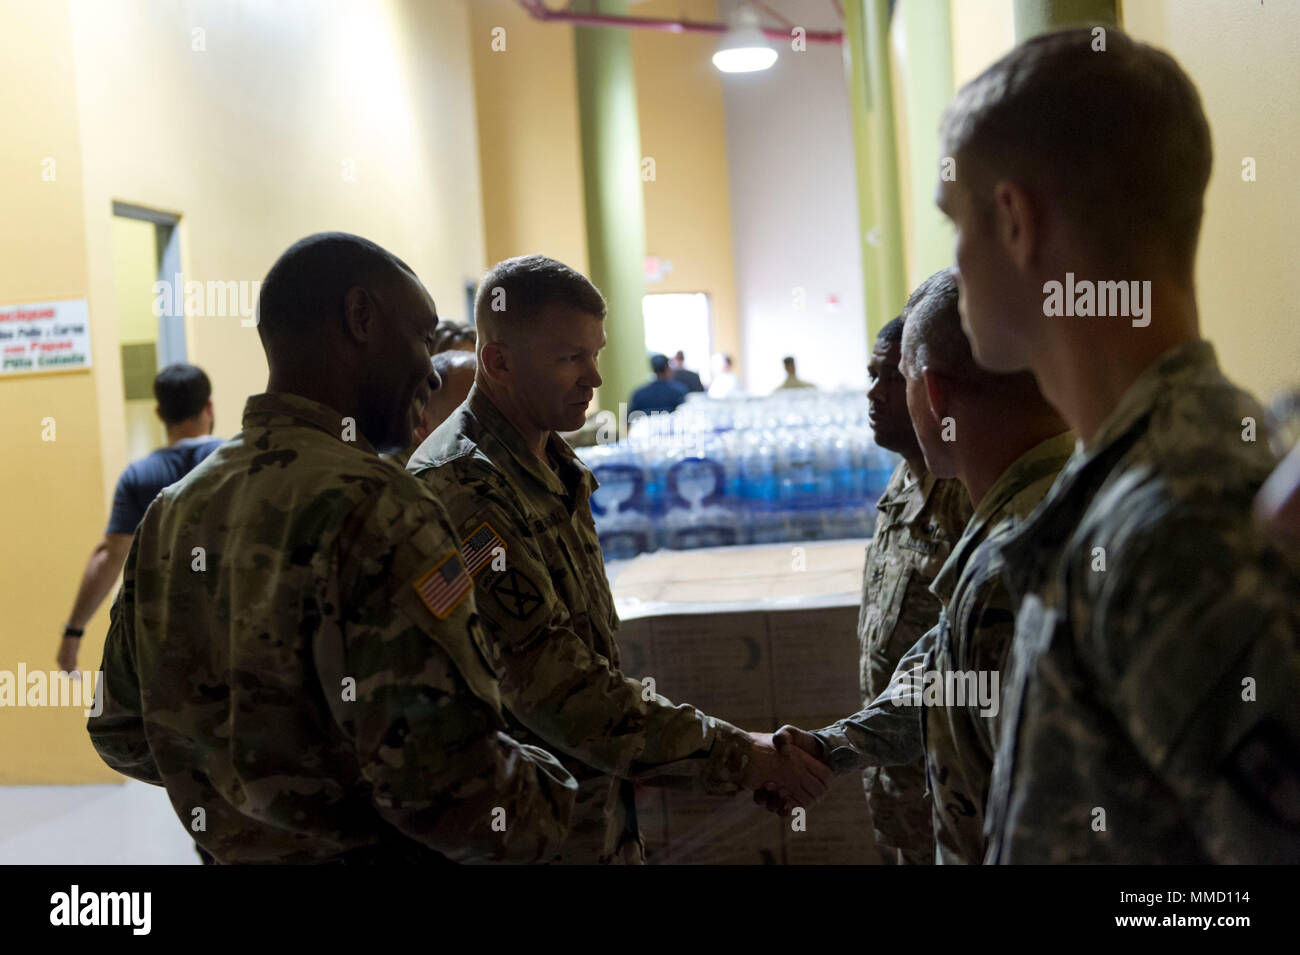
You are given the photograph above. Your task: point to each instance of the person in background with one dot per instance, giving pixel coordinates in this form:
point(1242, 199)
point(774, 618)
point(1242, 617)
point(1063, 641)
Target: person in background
point(662, 394)
point(454, 336)
point(683, 374)
point(724, 382)
point(451, 373)
point(184, 396)
point(791, 379)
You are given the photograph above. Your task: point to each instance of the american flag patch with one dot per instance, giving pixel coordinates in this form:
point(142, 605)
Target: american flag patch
point(480, 547)
point(445, 586)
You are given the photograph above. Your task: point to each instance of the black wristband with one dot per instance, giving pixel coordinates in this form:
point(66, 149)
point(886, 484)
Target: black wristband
point(71, 631)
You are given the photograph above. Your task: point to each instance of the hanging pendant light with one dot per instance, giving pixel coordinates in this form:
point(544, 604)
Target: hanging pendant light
point(744, 48)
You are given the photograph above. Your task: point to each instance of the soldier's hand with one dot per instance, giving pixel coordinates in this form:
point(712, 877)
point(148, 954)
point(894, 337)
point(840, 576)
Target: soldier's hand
point(782, 780)
point(68, 648)
point(789, 735)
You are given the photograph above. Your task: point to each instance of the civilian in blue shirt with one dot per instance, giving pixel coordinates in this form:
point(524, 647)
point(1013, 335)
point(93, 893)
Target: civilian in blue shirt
point(662, 394)
point(184, 396)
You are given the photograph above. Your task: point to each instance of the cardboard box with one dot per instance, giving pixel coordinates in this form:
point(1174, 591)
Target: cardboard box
point(761, 639)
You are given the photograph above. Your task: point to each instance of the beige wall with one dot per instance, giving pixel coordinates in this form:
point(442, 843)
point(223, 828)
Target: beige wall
point(1242, 58)
point(247, 141)
point(532, 165)
point(688, 206)
point(51, 506)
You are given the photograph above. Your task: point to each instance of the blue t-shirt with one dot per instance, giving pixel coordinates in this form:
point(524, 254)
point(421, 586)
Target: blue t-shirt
point(143, 479)
point(662, 394)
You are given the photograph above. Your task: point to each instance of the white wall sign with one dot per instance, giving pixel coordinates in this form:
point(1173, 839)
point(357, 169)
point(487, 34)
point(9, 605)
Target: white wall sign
point(44, 336)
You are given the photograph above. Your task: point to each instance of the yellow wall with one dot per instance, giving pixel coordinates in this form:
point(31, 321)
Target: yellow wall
point(532, 165)
point(246, 141)
point(51, 508)
point(529, 153)
point(683, 128)
point(1242, 58)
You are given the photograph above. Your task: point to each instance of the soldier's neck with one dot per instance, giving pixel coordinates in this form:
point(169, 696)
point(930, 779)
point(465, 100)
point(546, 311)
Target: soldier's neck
point(534, 438)
point(916, 467)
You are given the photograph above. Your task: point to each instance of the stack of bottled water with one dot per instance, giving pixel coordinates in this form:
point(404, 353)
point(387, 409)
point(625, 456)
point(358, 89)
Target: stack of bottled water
point(794, 466)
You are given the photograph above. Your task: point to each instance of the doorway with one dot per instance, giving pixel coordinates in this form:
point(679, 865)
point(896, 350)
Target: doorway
point(149, 293)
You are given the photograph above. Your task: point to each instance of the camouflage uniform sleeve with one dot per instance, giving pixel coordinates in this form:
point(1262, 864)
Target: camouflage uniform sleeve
point(888, 731)
point(1193, 645)
point(989, 630)
point(117, 731)
point(572, 696)
point(425, 722)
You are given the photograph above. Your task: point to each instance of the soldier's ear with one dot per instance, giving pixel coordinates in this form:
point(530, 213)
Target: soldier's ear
point(938, 394)
point(359, 314)
point(494, 360)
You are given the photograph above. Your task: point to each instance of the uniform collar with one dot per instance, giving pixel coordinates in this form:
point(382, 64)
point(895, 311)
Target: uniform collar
point(916, 501)
point(1043, 459)
point(504, 433)
point(1055, 520)
point(281, 409)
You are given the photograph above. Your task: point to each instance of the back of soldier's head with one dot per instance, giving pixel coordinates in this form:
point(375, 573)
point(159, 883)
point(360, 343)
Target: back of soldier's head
point(516, 292)
point(305, 288)
point(1116, 137)
point(933, 340)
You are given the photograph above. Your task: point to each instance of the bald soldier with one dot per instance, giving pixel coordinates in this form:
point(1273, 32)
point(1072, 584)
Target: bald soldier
point(920, 517)
point(295, 653)
point(520, 501)
point(1005, 444)
point(1150, 699)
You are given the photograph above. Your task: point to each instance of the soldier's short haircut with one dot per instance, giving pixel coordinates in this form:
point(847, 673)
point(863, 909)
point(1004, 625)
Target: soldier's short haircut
point(892, 333)
point(933, 339)
point(514, 291)
point(181, 391)
point(1117, 137)
point(306, 285)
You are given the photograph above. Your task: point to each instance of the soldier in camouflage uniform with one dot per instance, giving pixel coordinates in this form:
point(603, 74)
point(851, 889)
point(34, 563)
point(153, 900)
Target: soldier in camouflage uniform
point(295, 653)
point(519, 500)
point(1149, 710)
point(921, 517)
point(1005, 470)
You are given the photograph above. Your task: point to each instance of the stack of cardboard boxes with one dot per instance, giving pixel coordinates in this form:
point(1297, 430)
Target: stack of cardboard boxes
point(758, 661)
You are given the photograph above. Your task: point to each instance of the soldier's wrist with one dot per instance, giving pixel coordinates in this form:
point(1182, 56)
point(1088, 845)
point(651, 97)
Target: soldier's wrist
point(74, 632)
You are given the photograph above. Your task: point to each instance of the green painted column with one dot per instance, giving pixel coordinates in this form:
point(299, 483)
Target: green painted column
point(1039, 16)
point(866, 24)
point(611, 172)
point(928, 86)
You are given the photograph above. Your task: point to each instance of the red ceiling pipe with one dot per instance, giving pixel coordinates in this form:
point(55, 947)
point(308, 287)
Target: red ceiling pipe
point(540, 11)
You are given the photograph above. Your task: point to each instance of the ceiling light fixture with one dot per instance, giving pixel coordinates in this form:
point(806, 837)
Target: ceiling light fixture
point(744, 48)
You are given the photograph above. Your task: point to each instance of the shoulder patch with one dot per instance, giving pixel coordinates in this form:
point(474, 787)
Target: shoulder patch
point(443, 588)
point(480, 547)
point(517, 594)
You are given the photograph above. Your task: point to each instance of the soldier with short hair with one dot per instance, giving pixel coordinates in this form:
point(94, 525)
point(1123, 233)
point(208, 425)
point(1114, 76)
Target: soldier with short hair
point(295, 653)
point(920, 518)
point(1005, 444)
point(520, 502)
point(1150, 701)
